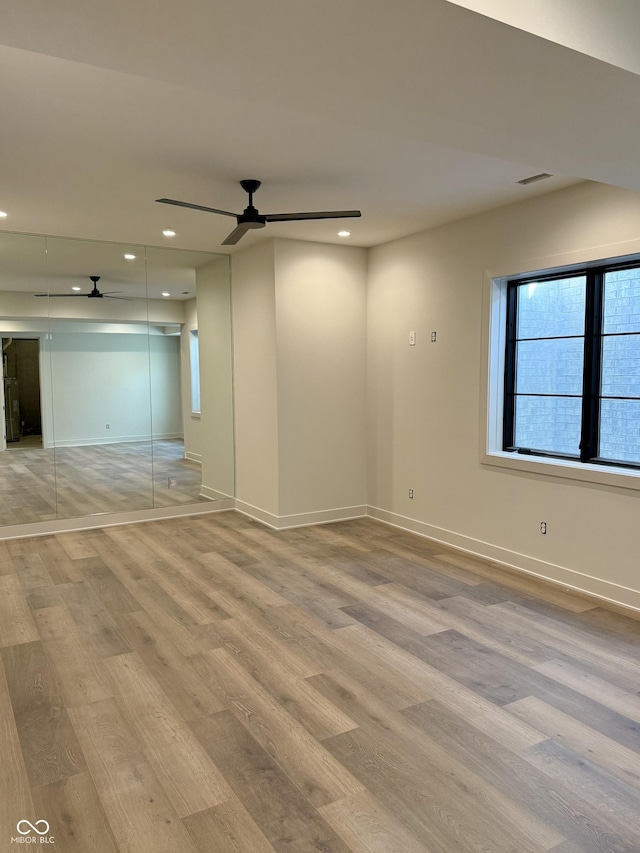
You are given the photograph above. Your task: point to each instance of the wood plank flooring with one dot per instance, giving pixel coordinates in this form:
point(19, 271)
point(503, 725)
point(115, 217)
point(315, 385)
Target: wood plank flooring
point(205, 685)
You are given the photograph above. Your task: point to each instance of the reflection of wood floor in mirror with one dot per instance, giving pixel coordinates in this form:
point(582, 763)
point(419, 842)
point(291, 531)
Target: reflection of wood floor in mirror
point(39, 484)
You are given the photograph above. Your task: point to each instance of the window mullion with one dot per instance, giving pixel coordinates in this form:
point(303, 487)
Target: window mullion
point(592, 360)
point(510, 369)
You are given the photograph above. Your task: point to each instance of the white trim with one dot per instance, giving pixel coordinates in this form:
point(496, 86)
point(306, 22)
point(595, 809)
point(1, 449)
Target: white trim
point(301, 519)
point(213, 495)
point(111, 519)
point(565, 469)
point(568, 579)
point(194, 457)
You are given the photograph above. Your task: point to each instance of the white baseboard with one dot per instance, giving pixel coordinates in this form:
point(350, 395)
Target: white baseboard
point(194, 457)
point(301, 519)
point(568, 579)
point(214, 495)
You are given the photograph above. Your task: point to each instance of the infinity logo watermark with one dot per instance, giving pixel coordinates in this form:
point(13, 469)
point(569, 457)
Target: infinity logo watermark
point(32, 828)
point(25, 829)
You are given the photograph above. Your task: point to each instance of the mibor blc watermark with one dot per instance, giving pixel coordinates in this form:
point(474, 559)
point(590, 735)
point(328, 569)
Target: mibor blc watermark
point(33, 833)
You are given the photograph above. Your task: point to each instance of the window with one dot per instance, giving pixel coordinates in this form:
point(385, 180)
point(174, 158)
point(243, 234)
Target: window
point(194, 363)
point(572, 366)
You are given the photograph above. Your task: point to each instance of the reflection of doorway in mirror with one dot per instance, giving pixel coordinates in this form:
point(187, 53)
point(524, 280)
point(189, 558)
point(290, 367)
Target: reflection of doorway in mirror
point(22, 393)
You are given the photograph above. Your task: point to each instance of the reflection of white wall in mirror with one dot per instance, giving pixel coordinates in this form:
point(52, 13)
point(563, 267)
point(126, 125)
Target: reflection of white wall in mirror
point(101, 379)
point(194, 368)
point(192, 423)
point(165, 386)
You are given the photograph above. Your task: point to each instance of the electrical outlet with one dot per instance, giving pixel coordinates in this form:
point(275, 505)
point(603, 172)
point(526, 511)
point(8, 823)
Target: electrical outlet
point(543, 527)
point(412, 339)
point(106, 426)
point(411, 494)
point(172, 482)
point(433, 337)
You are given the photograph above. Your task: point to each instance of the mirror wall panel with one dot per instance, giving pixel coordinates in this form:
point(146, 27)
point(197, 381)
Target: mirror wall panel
point(100, 377)
point(119, 426)
point(177, 472)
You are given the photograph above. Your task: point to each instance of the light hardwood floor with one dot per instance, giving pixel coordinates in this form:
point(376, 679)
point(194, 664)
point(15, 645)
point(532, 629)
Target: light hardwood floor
point(38, 484)
point(205, 685)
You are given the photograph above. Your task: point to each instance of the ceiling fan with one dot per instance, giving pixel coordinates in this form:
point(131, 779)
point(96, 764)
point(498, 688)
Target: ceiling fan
point(251, 218)
point(93, 294)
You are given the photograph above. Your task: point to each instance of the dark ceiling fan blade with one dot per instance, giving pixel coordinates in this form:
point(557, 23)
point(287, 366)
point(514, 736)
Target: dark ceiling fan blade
point(126, 298)
point(60, 294)
point(194, 206)
point(321, 214)
point(238, 232)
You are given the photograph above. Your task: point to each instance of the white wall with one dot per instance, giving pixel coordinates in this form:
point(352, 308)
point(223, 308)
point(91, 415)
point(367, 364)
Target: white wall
point(426, 404)
point(299, 341)
point(321, 357)
point(255, 377)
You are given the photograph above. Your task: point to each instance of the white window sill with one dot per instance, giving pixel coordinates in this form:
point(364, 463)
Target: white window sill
point(621, 478)
point(195, 416)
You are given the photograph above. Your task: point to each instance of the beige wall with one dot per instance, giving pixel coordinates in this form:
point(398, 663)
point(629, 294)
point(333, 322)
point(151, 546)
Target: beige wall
point(321, 351)
point(213, 296)
point(255, 385)
point(299, 314)
point(426, 404)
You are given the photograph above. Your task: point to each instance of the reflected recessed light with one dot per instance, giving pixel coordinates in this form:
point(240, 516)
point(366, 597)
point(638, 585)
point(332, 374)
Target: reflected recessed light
point(169, 233)
point(3, 214)
point(344, 233)
point(76, 288)
point(129, 257)
point(165, 293)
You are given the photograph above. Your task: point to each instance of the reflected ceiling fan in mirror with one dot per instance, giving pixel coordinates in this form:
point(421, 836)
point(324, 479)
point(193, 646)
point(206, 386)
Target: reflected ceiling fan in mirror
point(94, 293)
point(251, 218)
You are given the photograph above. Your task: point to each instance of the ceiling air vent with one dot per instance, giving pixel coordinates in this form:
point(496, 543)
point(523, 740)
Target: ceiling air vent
point(532, 180)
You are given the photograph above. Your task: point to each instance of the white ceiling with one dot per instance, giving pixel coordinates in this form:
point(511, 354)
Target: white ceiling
point(417, 112)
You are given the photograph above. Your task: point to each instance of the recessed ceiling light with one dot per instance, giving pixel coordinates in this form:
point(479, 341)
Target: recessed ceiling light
point(344, 233)
point(3, 214)
point(129, 257)
point(169, 233)
point(165, 293)
point(76, 288)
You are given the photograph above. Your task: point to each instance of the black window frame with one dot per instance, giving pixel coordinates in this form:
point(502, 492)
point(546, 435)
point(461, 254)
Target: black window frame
point(592, 362)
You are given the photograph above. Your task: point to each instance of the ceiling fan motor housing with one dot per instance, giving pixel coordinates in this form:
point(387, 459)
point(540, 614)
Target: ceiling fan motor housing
point(250, 218)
